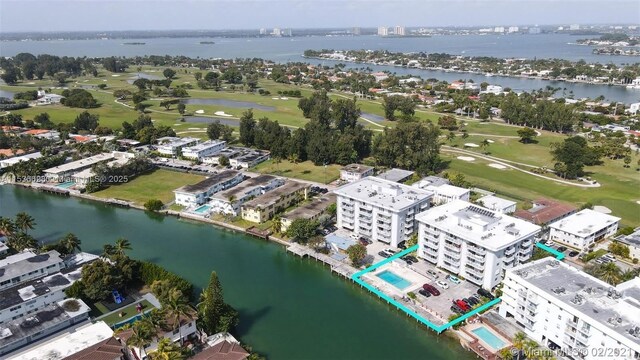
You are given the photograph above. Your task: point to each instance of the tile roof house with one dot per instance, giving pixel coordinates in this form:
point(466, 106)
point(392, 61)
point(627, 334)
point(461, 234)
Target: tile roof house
point(224, 350)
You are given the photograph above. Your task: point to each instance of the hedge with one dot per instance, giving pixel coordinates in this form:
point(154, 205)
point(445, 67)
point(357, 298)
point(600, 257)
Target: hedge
point(150, 272)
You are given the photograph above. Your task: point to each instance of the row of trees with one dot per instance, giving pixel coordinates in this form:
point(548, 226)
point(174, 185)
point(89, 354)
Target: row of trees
point(526, 110)
point(143, 130)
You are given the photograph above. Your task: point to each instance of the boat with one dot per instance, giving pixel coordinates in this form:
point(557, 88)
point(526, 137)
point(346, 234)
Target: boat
point(207, 42)
point(134, 43)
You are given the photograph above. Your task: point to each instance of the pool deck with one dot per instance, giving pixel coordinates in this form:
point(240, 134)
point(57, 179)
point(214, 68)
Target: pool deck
point(479, 346)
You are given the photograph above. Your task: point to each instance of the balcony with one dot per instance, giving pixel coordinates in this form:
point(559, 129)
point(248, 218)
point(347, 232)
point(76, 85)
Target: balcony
point(452, 248)
point(455, 256)
point(477, 251)
point(526, 243)
point(509, 252)
point(451, 267)
point(431, 246)
point(473, 271)
point(476, 265)
point(453, 240)
point(475, 257)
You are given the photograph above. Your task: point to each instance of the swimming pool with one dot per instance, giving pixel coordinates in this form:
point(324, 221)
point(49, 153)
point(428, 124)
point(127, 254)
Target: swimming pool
point(66, 185)
point(488, 337)
point(202, 209)
point(393, 279)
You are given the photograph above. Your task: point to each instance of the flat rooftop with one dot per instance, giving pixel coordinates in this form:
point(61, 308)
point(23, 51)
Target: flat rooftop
point(447, 190)
point(487, 228)
point(435, 181)
point(383, 193)
point(78, 164)
point(24, 263)
point(24, 292)
point(205, 184)
point(311, 209)
point(35, 323)
point(241, 189)
point(171, 141)
point(357, 168)
point(584, 223)
point(632, 239)
point(396, 175)
point(495, 203)
point(68, 343)
point(545, 211)
point(616, 309)
point(205, 145)
point(271, 197)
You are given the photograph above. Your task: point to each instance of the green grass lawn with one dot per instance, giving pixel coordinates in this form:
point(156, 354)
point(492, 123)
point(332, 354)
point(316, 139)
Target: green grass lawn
point(617, 193)
point(128, 312)
point(156, 185)
point(303, 170)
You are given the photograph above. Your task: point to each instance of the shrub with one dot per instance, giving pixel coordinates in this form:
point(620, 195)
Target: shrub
point(153, 205)
point(150, 272)
point(76, 290)
point(71, 305)
point(635, 260)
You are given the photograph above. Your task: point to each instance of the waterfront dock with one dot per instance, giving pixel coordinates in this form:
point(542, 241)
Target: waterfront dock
point(336, 266)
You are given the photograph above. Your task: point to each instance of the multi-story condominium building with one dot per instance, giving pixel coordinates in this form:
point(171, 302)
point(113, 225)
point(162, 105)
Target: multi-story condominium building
point(230, 201)
point(355, 172)
point(497, 204)
point(27, 265)
point(399, 30)
point(42, 323)
point(171, 146)
point(383, 31)
point(264, 207)
point(198, 194)
point(474, 242)
point(312, 210)
point(563, 307)
point(203, 149)
point(379, 209)
point(64, 172)
point(583, 228)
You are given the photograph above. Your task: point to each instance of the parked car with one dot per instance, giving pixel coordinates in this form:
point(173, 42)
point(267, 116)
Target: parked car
point(432, 273)
point(548, 243)
point(454, 279)
point(432, 289)
point(442, 284)
point(424, 293)
point(485, 293)
point(456, 309)
point(390, 251)
point(412, 258)
point(562, 248)
point(363, 241)
point(402, 245)
point(473, 300)
point(407, 260)
point(573, 253)
point(462, 305)
point(384, 254)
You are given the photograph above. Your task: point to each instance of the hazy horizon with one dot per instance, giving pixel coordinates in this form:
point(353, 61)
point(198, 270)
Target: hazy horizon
point(194, 15)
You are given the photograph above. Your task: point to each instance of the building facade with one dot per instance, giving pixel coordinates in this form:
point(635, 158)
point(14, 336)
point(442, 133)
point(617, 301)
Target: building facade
point(560, 306)
point(264, 207)
point(355, 172)
point(583, 229)
point(19, 268)
point(230, 201)
point(474, 242)
point(379, 209)
point(207, 148)
point(198, 194)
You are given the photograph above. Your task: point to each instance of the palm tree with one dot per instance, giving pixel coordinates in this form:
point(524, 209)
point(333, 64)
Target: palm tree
point(156, 321)
point(167, 351)
point(22, 241)
point(121, 245)
point(484, 144)
point(451, 136)
point(610, 273)
point(7, 227)
point(506, 354)
point(519, 341)
point(177, 307)
point(140, 337)
point(70, 243)
point(24, 221)
point(276, 225)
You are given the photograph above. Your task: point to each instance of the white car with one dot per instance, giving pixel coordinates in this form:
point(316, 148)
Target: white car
point(442, 284)
point(548, 243)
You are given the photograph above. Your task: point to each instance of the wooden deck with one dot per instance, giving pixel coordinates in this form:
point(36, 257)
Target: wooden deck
point(336, 266)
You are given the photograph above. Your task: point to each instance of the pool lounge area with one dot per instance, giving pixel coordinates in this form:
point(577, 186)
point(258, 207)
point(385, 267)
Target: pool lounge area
point(202, 210)
point(485, 340)
point(396, 280)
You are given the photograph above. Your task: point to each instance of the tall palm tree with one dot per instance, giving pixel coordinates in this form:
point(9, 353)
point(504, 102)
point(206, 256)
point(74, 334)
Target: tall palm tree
point(177, 307)
point(519, 341)
point(24, 221)
point(484, 144)
point(121, 245)
point(167, 351)
point(610, 273)
point(156, 321)
point(276, 224)
point(22, 241)
point(70, 243)
point(140, 337)
point(7, 227)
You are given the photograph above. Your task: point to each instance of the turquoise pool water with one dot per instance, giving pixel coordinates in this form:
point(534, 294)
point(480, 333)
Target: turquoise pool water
point(488, 337)
point(202, 209)
point(393, 279)
point(66, 185)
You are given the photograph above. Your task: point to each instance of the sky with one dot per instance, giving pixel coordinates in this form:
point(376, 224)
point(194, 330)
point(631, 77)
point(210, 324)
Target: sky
point(96, 15)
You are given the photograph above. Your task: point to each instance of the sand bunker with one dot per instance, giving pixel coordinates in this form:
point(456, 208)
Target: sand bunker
point(466, 158)
point(490, 141)
point(497, 166)
point(471, 145)
point(602, 209)
point(199, 111)
point(115, 75)
point(221, 113)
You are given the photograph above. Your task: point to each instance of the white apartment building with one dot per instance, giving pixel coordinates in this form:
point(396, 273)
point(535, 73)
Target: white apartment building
point(198, 194)
point(474, 242)
point(355, 172)
point(380, 209)
point(561, 306)
point(583, 228)
point(27, 265)
point(399, 30)
point(442, 191)
point(498, 204)
point(494, 89)
point(383, 31)
point(171, 146)
point(207, 148)
point(230, 201)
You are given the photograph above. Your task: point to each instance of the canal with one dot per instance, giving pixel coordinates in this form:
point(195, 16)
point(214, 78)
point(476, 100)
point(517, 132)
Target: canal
point(289, 308)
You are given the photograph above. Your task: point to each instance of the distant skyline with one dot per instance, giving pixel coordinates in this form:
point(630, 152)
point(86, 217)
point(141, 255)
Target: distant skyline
point(119, 15)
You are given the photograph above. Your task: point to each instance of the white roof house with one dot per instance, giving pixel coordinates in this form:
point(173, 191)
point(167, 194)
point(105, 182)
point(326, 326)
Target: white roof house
point(16, 159)
point(498, 204)
point(583, 228)
point(385, 194)
point(203, 149)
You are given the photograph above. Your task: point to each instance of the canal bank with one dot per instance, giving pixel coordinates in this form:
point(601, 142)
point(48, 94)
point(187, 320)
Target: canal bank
point(289, 308)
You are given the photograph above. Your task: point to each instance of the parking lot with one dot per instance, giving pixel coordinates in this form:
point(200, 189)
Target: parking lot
point(421, 272)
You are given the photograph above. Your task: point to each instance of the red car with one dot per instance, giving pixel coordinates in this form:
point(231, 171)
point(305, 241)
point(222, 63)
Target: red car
point(431, 289)
point(462, 305)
